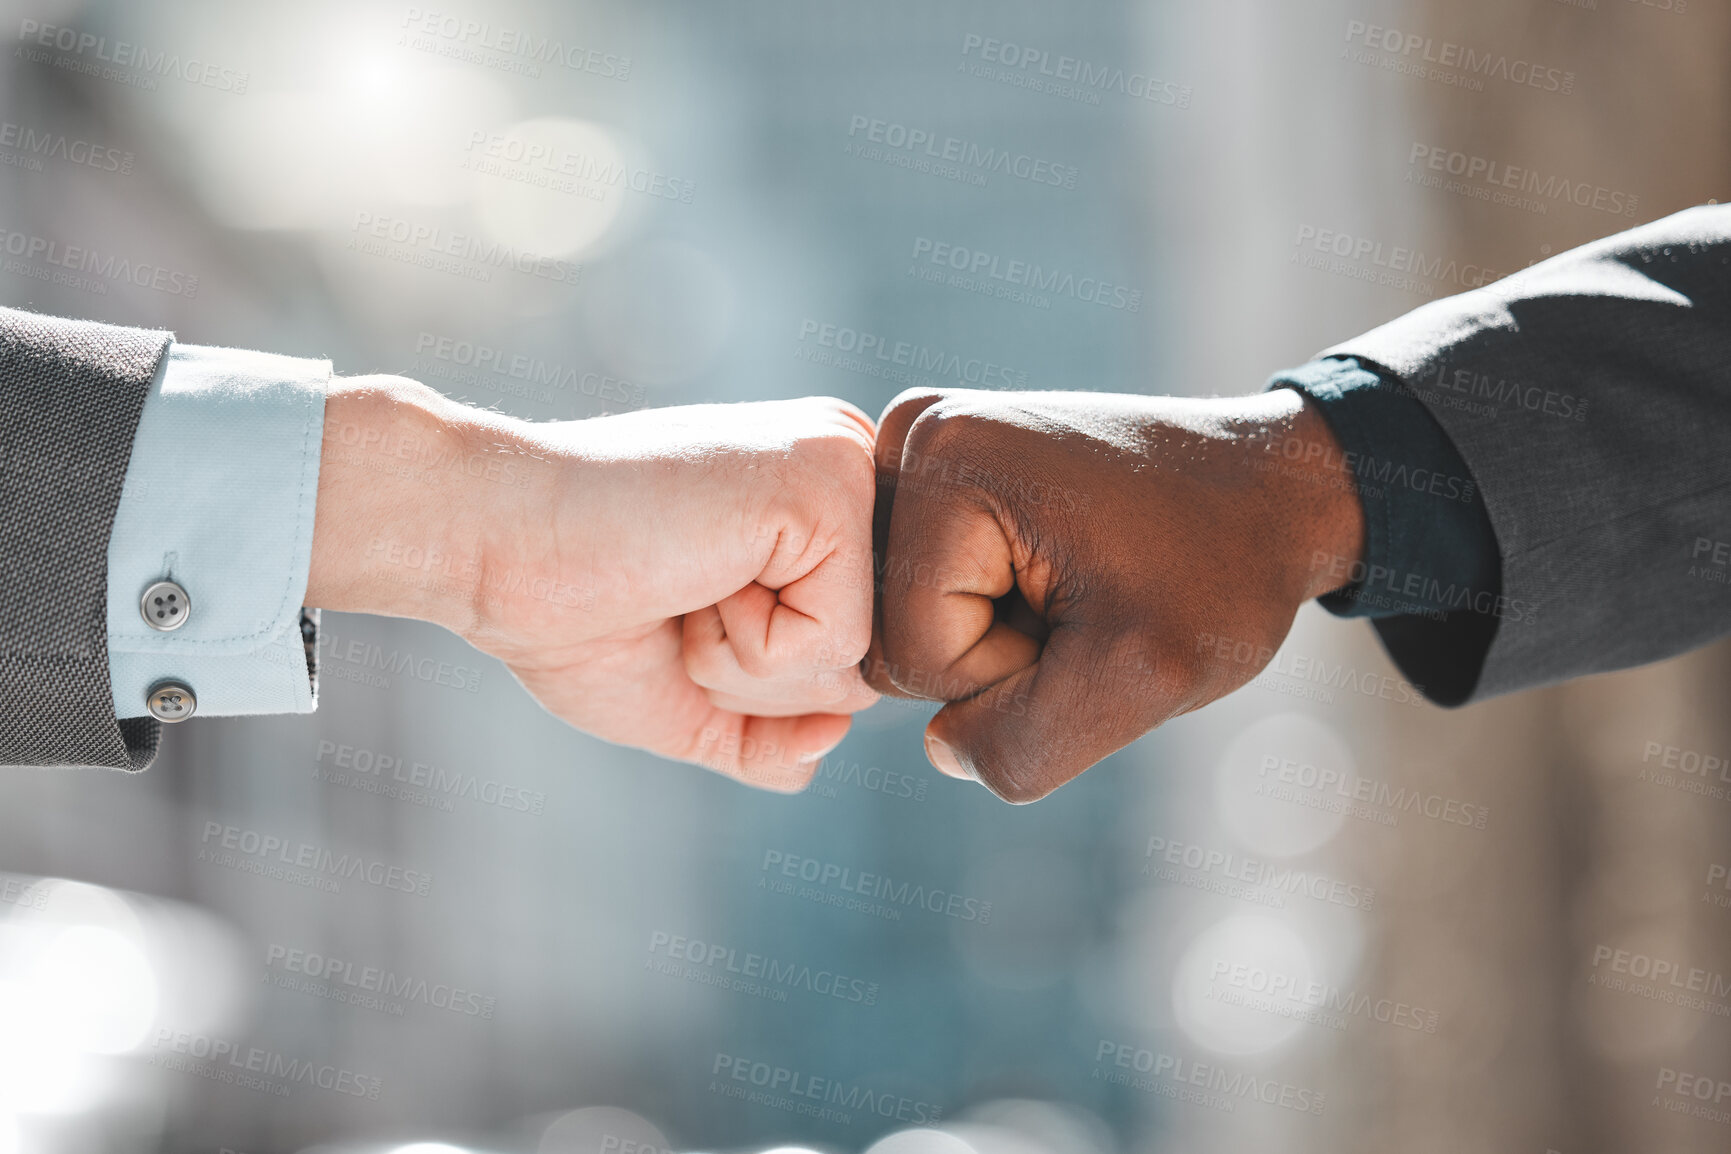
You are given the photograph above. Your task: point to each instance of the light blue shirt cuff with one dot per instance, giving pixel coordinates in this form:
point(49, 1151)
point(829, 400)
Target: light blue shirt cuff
point(219, 498)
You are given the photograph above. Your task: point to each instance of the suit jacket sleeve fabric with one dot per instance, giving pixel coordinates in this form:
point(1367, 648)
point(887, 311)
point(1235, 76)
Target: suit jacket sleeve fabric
point(70, 397)
point(1590, 397)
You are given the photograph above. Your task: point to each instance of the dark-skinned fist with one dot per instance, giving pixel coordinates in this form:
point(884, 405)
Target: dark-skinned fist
point(1047, 563)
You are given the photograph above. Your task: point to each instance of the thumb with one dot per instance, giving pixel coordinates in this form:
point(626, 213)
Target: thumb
point(1043, 725)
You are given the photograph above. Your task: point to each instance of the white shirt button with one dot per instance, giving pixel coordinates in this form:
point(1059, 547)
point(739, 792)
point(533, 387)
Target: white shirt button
point(171, 701)
point(165, 606)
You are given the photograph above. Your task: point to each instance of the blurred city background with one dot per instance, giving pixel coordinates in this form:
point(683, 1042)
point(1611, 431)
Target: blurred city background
point(1521, 945)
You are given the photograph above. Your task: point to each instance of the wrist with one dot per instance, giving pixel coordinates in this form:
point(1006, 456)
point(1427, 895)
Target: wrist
point(397, 529)
point(1314, 489)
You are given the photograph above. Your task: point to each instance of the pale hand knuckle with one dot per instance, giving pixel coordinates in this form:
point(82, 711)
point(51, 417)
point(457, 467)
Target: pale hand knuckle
point(704, 666)
point(753, 662)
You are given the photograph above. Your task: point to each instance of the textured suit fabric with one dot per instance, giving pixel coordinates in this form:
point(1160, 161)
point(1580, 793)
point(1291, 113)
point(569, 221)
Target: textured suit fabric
point(70, 397)
point(1590, 396)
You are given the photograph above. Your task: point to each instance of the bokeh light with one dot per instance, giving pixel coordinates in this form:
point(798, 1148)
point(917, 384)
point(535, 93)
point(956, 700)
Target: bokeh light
point(1280, 785)
point(1238, 985)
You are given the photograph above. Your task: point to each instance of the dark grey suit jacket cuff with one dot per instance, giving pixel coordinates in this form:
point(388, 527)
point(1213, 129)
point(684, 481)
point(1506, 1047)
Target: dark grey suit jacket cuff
point(70, 396)
point(1590, 396)
point(1430, 576)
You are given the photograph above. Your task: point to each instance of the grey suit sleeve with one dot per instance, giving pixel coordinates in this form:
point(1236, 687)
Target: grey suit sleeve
point(1590, 396)
point(70, 397)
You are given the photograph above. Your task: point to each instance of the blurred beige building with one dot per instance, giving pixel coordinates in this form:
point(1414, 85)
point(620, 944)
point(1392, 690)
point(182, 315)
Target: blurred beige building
point(1590, 854)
